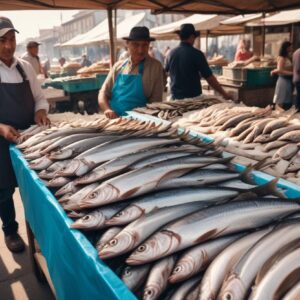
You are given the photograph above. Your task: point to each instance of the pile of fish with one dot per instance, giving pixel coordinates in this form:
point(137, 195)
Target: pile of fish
point(173, 109)
point(254, 133)
point(168, 213)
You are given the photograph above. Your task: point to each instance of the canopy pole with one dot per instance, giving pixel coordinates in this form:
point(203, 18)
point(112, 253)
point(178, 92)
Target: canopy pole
point(111, 37)
point(115, 34)
point(263, 36)
point(206, 43)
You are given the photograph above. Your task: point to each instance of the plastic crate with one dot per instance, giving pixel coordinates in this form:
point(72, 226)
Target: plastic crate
point(260, 77)
point(216, 70)
point(100, 78)
point(80, 85)
point(236, 74)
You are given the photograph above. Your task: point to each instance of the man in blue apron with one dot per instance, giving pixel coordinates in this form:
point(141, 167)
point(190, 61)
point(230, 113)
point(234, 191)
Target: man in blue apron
point(134, 81)
point(22, 103)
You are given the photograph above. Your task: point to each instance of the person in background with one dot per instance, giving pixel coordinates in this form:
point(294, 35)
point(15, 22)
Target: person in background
point(62, 61)
point(243, 52)
point(85, 62)
point(124, 54)
point(186, 65)
point(32, 56)
point(284, 70)
point(133, 82)
point(296, 76)
point(22, 103)
point(46, 67)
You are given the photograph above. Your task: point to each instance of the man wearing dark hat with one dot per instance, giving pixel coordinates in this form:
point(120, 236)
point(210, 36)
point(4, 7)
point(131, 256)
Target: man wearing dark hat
point(186, 65)
point(135, 81)
point(22, 103)
point(32, 56)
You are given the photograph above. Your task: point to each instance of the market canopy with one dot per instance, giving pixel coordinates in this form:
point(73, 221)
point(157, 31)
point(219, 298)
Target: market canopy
point(84, 38)
point(158, 6)
point(201, 23)
point(282, 18)
point(123, 29)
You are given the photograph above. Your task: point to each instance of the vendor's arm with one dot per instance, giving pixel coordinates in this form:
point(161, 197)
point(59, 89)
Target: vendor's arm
point(9, 132)
point(214, 83)
point(105, 95)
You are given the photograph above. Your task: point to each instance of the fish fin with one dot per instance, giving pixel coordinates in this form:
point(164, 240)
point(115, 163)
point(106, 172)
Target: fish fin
point(268, 188)
point(208, 235)
point(130, 193)
point(173, 174)
point(246, 175)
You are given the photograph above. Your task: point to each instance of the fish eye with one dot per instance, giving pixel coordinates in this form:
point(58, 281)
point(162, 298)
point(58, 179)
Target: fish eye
point(127, 272)
point(148, 292)
point(93, 195)
point(141, 248)
point(113, 242)
point(86, 218)
point(228, 296)
point(177, 269)
point(120, 214)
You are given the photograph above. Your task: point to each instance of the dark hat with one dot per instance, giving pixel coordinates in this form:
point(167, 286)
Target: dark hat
point(6, 26)
point(186, 30)
point(139, 33)
point(32, 44)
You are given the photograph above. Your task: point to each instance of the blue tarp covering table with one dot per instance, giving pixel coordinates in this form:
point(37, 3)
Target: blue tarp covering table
point(75, 269)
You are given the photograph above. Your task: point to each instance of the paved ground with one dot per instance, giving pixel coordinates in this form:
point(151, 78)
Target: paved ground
point(17, 280)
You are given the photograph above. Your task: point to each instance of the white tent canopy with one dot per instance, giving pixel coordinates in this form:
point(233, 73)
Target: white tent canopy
point(201, 23)
point(123, 29)
point(282, 18)
point(83, 38)
point(241, 19)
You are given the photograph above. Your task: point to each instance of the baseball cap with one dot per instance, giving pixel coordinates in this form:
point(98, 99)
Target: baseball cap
point(32, 44)
point(6, 26)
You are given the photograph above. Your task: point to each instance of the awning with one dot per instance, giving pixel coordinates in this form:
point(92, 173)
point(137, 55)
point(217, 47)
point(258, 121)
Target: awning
point(84, 38)
point(123, 29)
point(282, 18)
point(202, 23)
point(159, 6)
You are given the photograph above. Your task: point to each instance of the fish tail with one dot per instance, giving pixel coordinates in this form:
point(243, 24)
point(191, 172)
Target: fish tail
point(269, 188)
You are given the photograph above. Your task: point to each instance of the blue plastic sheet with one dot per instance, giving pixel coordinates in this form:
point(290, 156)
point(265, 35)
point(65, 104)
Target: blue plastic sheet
point(75, 269)
point(291, 190)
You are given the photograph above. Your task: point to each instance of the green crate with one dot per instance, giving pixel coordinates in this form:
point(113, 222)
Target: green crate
point(100, 78)
point(260, 77)
point(80, 85)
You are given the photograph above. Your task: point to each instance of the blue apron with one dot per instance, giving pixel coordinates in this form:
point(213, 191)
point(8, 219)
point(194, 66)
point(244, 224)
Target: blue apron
point(128, 92)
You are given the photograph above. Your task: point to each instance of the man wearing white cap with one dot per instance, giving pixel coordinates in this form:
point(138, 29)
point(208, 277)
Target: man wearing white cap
point(22, 103)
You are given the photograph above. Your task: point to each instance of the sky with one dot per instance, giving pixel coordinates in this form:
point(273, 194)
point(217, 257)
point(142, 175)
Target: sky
point(29, 22)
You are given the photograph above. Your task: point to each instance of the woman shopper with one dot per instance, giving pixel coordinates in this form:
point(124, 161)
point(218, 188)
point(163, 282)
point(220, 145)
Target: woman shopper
point(284, 70)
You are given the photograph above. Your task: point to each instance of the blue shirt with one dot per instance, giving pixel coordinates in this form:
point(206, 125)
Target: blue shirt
point(186, 65)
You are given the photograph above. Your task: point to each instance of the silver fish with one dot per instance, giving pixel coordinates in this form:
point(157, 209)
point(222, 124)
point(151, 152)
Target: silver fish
point(92, 158)
point(68, 188)
point(241, 277)
point(185, 288)
point(136, 232)
point(140, 181)
point(52, 170)
point(146, 203)
point(119, 164)
point(158, 278)
point(58, 181)
point(41, 163)
point(197, 258)
point(134, 277)
point(274, 282)
point(293, 293)
point(223, 263)
point(96, 218)
point(210, 222)
point(109, 234)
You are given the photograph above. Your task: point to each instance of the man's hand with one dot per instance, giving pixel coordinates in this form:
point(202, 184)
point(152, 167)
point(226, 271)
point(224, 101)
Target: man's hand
point(110, 114)
point(9, 133)
point(40, 118)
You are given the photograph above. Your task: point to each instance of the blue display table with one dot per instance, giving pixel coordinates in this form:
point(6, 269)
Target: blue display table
point(75, 269)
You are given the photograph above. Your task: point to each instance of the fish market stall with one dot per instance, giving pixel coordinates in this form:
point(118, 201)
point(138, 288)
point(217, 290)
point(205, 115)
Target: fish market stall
point(146, 198)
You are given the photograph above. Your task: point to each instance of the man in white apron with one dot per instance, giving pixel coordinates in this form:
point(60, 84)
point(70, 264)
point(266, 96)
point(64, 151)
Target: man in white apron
point(22, 103)
point(135, 81)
